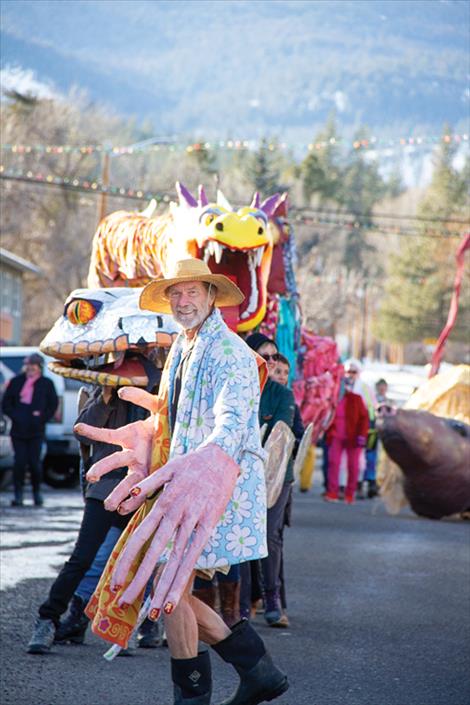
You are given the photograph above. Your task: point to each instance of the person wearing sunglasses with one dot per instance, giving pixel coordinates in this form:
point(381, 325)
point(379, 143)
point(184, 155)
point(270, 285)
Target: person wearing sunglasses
point(277, 404)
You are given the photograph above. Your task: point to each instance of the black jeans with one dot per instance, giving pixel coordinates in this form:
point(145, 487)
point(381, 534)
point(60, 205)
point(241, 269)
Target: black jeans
point(27, 454)
point(271, 565)
point(95, 525)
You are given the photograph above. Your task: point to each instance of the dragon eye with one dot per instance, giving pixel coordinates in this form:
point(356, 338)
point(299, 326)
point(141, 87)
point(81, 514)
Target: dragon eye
point(209, 218)
point(80, 311)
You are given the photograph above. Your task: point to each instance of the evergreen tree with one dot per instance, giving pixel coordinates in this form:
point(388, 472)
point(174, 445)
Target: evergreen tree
point(263, 169)
point(421, 279)
point(321, 170)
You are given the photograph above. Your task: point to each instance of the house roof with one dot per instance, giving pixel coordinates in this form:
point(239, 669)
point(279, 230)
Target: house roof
point(17, 262)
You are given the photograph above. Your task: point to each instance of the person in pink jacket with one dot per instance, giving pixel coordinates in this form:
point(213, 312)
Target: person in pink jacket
point(347, 433)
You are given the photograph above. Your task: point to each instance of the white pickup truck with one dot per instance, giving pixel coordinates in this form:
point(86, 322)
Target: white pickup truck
point(61, 458)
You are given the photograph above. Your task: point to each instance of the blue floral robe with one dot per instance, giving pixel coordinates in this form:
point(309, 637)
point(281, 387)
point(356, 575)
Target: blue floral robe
point(218, 404)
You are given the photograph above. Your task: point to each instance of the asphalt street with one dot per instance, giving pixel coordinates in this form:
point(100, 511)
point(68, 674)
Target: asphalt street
point(379, 609)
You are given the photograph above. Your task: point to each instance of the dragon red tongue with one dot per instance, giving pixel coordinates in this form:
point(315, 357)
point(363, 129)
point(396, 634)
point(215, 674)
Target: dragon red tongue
point(128, 368)
point(231, 314)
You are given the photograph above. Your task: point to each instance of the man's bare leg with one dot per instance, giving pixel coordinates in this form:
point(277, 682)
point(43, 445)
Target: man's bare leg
point(181, 627)
point(212, 628)
point(192, 620)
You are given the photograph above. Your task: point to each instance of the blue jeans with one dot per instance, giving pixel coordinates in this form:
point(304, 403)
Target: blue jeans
point(371, 463)
point(91, 578)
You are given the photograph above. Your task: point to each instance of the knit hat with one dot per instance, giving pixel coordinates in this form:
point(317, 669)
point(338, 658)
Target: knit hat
point(34, 359)
point(256, 340)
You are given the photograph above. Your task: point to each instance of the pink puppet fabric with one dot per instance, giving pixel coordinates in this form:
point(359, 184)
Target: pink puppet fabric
point(179, 525)
point(317, 392)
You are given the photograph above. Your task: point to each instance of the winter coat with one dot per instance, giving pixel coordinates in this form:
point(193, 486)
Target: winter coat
point(356, 418)
point(29, 420)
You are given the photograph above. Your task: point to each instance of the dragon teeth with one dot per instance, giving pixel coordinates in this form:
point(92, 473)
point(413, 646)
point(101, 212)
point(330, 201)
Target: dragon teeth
point(218, 251)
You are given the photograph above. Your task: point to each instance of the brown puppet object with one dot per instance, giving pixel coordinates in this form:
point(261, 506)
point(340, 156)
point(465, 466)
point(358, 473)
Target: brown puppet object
point(433, 454)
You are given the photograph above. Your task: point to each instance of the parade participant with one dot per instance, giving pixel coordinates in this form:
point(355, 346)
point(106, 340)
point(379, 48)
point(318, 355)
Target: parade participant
point(277, 404)
point(30, 401)
point(368, 457)
point(280, 374)
point(104, 409)
point(381, 391)
point(348, 433)
point(202, 445)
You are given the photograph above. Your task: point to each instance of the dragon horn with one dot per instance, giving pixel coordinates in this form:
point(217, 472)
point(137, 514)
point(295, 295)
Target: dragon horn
point(203, 200)
point(222, 201)
point(255, 201)
point(281, 207)
point(184, 196)
point(269, 204)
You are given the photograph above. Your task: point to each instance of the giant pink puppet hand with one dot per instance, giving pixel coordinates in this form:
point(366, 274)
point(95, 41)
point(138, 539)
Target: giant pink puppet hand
point(197, 489)
point(135, 440)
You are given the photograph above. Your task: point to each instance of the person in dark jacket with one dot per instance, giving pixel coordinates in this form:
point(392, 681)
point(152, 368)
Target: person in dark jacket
point(277, 404)
point(104, 409)
point(30, 401)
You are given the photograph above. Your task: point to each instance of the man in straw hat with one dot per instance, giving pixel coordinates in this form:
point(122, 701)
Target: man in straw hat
point(196, 479)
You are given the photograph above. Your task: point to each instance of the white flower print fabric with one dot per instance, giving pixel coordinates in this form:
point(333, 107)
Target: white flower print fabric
point(219, 403)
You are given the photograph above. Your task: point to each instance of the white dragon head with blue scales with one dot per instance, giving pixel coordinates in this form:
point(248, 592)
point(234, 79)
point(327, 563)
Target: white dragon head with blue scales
point(103, 337)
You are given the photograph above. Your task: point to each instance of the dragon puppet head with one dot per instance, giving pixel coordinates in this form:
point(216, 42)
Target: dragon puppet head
point(104, 338)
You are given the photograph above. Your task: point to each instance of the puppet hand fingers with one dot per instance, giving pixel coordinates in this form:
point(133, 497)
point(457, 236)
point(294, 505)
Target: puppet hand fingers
point(168, 594)
point(106, 435)
point(160, 541)
point(145, 488)
point(139, 397)
point(111, 462)
point(115, 499)
point(133, 546)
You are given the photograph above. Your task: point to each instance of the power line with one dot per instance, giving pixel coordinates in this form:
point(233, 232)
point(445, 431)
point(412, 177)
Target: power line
point(298, 215)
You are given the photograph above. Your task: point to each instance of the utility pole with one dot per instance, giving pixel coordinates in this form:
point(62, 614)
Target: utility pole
point(105, 181)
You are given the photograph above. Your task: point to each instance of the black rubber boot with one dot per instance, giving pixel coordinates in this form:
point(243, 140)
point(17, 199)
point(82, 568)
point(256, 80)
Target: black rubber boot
point(260, 679)
point(192, 680)
point(74, 626)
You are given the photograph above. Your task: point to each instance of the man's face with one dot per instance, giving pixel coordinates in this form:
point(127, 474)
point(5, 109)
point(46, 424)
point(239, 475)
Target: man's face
point(280, 373)
point(382, 389)
point(269, 352)
point(352, 375)
point(190, 303)
point(32, 370)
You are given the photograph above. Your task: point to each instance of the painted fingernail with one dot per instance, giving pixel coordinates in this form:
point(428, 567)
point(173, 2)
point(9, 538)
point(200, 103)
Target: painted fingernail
point(135, 491)
point(115, 588)
point(169, 607)
point(154, 614)
point(92, 478)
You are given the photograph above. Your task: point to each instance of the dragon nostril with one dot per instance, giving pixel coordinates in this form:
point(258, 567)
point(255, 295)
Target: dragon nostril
point(219, 226)
point(260, 230)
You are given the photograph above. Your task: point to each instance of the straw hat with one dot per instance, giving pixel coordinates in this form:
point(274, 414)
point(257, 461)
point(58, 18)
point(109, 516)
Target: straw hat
point(154, 298)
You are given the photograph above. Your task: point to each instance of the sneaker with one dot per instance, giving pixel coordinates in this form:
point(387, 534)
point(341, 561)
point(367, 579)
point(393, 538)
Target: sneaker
point(43, 637)
point(16, 503)
point(131, 645)
point(282, 623)
point(349, 499)
point(331, 497)
point(148, 635)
